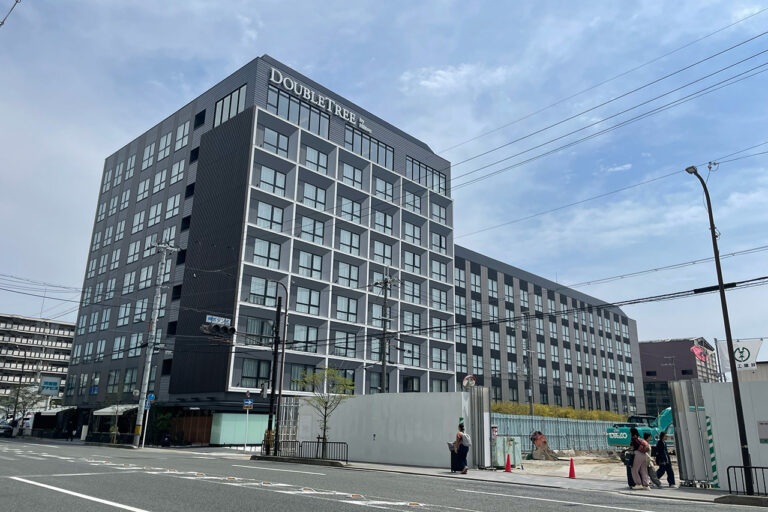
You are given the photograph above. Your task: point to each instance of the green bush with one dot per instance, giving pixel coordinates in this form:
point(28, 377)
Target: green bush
point(553, 411)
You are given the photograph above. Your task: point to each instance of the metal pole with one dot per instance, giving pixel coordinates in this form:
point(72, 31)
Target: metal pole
point(146, 423)
point(383, 345)
point(245, 444)
point(275, 351)
point(282, 369)
point(21, 380)
point(149, 349)
point(745, 457)
point(530, 364)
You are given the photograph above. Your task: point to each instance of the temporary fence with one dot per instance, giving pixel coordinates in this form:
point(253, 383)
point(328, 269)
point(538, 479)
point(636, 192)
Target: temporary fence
point(561, 433)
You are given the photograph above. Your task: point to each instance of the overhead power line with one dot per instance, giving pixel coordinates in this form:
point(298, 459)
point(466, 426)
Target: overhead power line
point(15, 3)
point(624, 73)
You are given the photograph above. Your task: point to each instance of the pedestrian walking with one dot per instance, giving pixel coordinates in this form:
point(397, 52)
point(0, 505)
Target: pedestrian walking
point(628, 457)
point(70, 431)
point(639, 465)
point(461, 447)
point(649, 463)
point(663, 460)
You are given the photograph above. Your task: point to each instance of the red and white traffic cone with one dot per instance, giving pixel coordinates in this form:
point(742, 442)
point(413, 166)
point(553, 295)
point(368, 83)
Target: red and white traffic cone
point(572, 472)
point(508, 467)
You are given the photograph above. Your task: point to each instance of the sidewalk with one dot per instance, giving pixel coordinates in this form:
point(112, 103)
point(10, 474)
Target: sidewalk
point(524, 477)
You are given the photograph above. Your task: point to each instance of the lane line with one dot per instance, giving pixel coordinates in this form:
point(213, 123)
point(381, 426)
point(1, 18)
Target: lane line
point(70, 474)
point(79, 495)
point(611, 507)
point(2, 457)
point(275, 469)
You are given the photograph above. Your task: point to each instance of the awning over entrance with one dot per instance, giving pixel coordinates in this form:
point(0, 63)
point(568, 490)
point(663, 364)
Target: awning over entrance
point(57, 410)
point(115, 410)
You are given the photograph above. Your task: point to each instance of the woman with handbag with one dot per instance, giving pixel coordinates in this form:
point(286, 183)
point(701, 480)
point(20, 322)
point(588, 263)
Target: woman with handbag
point(461, 447)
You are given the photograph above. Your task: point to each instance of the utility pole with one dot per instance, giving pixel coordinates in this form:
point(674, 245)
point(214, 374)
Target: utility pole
point(385, 283)
point(164, 249)
point(275, 351)
point(279, 412)
point(745, 457)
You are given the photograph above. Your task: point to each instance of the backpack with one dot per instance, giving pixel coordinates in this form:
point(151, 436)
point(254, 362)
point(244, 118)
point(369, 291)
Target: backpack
point(644, 446)
point(466, 440)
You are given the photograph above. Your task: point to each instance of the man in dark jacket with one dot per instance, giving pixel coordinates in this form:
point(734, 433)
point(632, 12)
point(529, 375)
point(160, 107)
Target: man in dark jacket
point(663, 460)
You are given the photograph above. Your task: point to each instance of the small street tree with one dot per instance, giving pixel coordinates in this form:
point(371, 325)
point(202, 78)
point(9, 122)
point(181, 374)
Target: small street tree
point(329, 389)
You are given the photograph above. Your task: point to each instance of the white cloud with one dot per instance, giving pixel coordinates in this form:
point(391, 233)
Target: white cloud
point(617, 168)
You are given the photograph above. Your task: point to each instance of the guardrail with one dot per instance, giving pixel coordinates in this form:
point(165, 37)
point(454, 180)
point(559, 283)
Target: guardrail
point(759, 479)
point(328, 450)
point(107, 438)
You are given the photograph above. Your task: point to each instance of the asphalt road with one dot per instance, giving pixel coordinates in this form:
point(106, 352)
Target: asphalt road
point(61, 477)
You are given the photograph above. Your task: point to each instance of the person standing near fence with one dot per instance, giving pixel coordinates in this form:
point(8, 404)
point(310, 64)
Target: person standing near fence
point(649, 461)
point(663, 460)
point(461, 447)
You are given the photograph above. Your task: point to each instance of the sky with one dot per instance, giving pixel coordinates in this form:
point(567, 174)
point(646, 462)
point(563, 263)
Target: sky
point(80, 79)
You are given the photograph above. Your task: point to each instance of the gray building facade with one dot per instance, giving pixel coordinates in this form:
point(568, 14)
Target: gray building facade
point(267, 183)
point(516, 331)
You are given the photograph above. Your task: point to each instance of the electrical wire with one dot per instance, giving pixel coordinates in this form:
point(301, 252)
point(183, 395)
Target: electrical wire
point(15, 3)
point(624, 73)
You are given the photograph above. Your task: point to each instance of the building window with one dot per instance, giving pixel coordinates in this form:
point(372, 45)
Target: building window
point(138, 222)
point(145, 277)
point(350, 210)
point(113, 381)
point(182, 136)
point(460, 305)
point(262, 292)
point(382, 222)
point(312, 230)
point(275, 142)
point(461, 362)
point(177, 172)
point(165, 146)
point(154, 214)
point(439, 243)
point(140, 312)
point(440, 271)
point(126, 196)
point(149, 155)
point(439, 299)
point(118, 347)
point(344, 344)
point(412, 262)
point(411, 321)
point(269, 216)
point(412, 202)
point(346, 309)
point(129, 167)
point(439, 359)
point(349, 242)
point(438, 213)
point(316, 160)
point(477, 364)
point(314, 196)
point(348, 275)
point(384, 189)
point(229, 106)
point(272, 181)
point(438, 386)
point(310, 265)
point(129, 281)
point(412, 292)
point(368, 147)
point(134, 249)
point(298, 372)
point(258, 331)
point(412, 233)
point(255, 373)
point(411, 354)
point(439, 328)
point(304, 338)
point(425, 175)
point(298, 112)
point(159, 182)
point(307, 301)
point(266, 253)
point(118, 174)
point(134, 348)
point(382, 253)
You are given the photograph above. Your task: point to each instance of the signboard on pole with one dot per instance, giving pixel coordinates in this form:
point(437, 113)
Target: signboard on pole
point(744, 353)
point(247, 404)
point(49, 386)
point(217, 320)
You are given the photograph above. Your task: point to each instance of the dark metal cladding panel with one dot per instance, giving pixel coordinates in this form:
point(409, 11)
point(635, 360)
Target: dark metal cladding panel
point(215, 238)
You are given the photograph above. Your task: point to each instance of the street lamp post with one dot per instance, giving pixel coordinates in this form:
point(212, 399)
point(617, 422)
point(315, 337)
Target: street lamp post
point(745, 458)
point(282, 370)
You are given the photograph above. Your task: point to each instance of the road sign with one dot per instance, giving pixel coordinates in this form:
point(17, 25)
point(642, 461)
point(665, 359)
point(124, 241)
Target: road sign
point(151, 397)
point(146, 405)
point(211, 319)
point(247, 403)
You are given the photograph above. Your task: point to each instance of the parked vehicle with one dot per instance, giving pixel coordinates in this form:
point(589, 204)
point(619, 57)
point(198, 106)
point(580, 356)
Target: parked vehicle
point(618, 434)
point(5, 429)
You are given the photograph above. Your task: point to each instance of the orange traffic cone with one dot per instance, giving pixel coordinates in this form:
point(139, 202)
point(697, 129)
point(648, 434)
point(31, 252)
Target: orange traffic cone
point(572, 472)
point(508, 467)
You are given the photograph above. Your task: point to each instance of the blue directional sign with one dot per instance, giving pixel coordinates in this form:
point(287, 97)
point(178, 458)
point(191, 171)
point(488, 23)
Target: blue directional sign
point(151, 396)
point(248, 403)
point(146, 405)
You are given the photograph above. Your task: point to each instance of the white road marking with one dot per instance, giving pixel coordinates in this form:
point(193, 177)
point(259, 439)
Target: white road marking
point(69, 474)
point(611, 507)
point(6, 458)
point(275, 469)
point(79, 495)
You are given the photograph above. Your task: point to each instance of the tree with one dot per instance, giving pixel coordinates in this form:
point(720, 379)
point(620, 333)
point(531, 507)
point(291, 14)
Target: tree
point(329, 389)
point(22, 398)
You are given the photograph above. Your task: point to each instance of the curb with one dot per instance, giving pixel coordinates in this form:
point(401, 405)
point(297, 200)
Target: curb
point(546, 486)
point(740, 499)
point(299, 460)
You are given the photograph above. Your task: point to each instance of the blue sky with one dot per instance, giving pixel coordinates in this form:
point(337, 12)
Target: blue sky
point(78, 80)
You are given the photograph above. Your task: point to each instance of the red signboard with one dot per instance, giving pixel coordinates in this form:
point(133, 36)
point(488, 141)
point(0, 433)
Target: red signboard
point(700, 353)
